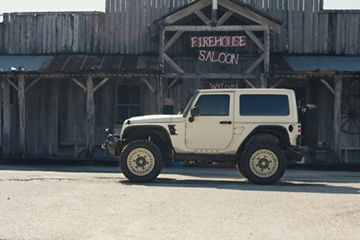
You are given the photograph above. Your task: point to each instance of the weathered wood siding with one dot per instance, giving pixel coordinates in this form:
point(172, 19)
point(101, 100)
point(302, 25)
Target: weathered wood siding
point(306, 29)
point(55, 117)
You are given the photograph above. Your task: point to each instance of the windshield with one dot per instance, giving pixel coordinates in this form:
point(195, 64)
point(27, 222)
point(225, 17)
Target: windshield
point(188, 106)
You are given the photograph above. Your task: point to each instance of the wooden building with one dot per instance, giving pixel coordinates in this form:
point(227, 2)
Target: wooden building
point(65, 77)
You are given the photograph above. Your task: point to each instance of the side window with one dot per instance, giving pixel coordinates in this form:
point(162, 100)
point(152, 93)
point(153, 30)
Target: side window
point(264, 105)
point(213, 105)
point(127, 102)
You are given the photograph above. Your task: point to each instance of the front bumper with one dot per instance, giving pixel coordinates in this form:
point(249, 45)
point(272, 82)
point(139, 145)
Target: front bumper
point(113, 144)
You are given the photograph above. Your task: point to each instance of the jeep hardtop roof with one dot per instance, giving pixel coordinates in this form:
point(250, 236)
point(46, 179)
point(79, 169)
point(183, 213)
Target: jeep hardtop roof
point(253, 90)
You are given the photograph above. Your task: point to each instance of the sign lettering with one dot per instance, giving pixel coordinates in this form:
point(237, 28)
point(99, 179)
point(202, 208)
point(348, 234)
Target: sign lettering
point(218, 42)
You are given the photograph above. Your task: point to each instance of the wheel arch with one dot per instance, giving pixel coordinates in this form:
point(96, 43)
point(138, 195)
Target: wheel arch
point(277, 134)
point(158, 135)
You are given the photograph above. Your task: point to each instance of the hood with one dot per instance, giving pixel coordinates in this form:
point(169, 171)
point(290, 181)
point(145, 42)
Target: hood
point(155, 119)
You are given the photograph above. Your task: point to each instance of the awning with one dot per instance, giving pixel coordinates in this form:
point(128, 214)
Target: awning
point(316, 63)
point(80, 63)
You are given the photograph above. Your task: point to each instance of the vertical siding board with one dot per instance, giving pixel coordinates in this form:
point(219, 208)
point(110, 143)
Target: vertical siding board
point(6, 32)
point(37, 35)
point(308, 26)
point(325, 31)
point(76, 23)
point(122, 30)
point(95, 49)
point(127, 26)
point(316, 31)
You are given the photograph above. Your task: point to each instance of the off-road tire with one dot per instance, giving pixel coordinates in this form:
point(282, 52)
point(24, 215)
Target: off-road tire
point(240, 169)
point(263, 158)
point(141, 161)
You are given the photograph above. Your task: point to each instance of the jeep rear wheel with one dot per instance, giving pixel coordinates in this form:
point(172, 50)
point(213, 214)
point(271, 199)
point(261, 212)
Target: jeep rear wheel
point(141, 161)
point(263, 162)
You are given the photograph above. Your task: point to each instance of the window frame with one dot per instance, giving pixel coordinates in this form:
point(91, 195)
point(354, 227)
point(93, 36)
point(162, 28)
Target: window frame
point(264, 115)
point(222, 94)
point(118, 84)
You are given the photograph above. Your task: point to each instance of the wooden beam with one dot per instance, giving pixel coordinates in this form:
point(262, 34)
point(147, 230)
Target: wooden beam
point(148, 84)
point(249, 83)
point(6, 131)
point(247, 13)
point(209, 76)
point(255, 64)
point(172, 84)
point(267, 53)
point(162, 70)
point(337, 116)
point(202, 16)
point(79, 84)
point(100, 84)
point(175, 37)
point(328, 86)
point(173, 64)
point(12, 84)
point(263, 81)
point(224, 17)
point(228, 28)
point(90, 118)
point(162, 50)
point(22, 111)
point(33, 82)
point(185, 12)
point(255, 40)
point(213, 17)
point(277, 83)
point(353, 84)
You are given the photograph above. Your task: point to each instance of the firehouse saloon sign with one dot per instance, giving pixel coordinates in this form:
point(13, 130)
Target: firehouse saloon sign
point(218, 42)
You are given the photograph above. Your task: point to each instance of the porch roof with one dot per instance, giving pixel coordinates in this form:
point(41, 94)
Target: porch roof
point(76, 64)
point(315, 63)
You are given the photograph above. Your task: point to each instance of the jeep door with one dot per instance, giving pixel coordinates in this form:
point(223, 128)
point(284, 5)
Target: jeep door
point(212, 129)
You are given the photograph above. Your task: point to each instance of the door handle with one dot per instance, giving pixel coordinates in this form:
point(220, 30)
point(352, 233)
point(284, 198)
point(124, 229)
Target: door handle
point(225, 122)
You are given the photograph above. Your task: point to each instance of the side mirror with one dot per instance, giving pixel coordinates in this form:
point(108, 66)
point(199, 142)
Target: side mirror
point(195, 111)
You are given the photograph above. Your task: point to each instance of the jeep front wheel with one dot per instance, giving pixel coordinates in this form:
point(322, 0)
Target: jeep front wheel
point(141, 161)
point(263, 162)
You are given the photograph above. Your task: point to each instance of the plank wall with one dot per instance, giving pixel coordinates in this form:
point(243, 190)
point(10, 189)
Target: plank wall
point(306, 29)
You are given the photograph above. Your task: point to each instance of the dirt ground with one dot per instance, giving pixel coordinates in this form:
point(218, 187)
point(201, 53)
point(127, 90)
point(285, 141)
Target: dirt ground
point(70, 202)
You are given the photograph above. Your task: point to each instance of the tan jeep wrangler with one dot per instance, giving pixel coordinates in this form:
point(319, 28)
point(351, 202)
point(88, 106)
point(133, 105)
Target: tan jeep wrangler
point(258, 129)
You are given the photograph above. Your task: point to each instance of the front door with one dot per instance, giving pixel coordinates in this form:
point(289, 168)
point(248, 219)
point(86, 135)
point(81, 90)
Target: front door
point(213, 129)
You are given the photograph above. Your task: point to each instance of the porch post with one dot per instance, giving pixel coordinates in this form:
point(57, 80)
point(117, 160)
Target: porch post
point(90, 118)
point(265, 77)
point(337, 116)
point(22, 127)
point(6, 140)
point(162, 70)
point(1, 119)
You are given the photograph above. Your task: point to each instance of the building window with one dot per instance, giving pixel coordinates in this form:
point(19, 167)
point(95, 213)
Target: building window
point(128, 102)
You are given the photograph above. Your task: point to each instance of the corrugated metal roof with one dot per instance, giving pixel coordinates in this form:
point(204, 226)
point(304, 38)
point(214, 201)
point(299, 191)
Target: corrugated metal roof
point(80, 63)
point(323, 63)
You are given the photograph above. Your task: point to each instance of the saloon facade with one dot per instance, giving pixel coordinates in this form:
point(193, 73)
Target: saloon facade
point(65, 77)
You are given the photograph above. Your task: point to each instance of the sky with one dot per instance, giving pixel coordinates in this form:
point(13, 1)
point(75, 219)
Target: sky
point(99, 5)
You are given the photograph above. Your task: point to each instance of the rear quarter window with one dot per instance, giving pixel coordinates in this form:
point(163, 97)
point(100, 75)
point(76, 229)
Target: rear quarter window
point(264, 105)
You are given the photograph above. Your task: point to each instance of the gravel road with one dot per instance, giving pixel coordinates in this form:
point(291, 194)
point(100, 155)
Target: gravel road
point(70, 202)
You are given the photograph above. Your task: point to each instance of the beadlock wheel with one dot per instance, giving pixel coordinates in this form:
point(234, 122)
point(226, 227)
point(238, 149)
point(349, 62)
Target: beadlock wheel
point(264, 163)
point(140, 161)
